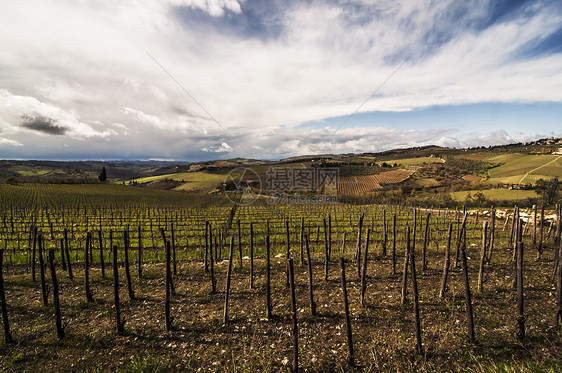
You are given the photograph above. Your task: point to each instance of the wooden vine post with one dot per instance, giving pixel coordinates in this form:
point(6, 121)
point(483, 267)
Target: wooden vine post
point(405, 270)
point(56, 301)
point(139, 261)
point(394, 244)
point(33, 261)
point(89, 295)
point(425, 241)
point(7, 335)
point(468, 296)
point(358, 250)
point(447, 262)
point(206, 246)
point(228, 274)
point(268, 306)
point(520, 295)
point(251, 255)
point(239, 242)
point(492, 234)
point(44, 290)
point(212, 262)
point(67, 253)
point(102, 261)
point(364, 272)
point(127, 272)
point(310, 279)
point(419, 346)
point(295, 329)
point(350, 356)
point(482, 257)
point(168, 285)
point(120, 323)
point(559, 287)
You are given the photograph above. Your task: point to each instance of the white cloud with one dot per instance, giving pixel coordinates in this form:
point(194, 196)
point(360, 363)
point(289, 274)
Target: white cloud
point(8, 142)
point(92, 76)
point(223, 148)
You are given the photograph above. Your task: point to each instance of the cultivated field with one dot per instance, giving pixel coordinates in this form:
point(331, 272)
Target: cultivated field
point(118, 223)
point(360, 185)
point(496, 194)
point(524, 169)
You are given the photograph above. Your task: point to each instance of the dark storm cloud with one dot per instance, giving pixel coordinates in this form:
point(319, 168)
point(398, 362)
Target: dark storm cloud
point(43, 124)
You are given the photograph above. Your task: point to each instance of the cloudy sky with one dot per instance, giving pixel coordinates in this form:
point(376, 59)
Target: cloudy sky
point(208, 79)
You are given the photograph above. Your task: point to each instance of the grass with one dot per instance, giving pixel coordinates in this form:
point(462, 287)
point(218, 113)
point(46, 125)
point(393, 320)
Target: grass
point(33, 172)
point(496, 194)
point(520, 168)
point(427, 182)
point(188, 176)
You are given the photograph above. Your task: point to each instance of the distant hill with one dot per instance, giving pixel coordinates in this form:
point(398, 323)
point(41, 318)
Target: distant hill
point(390, 174)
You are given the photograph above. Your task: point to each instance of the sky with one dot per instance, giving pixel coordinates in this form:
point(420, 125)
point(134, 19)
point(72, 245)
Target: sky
point(191, 80)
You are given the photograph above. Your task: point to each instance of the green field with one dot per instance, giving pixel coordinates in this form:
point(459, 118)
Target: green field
point(33, 172)
point(192, 181)
point(200, 181)
point(524, 169)
point(413, 161)
point(427, 182)
point(496, 194)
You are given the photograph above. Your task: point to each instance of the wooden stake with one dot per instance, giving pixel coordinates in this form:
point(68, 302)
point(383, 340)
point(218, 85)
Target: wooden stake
point(482, 257)
point(120, 323)
point(520, 295)
point(33, 261)
point(295, 331)
point(212, 262)
point(102, 261)
point(394, 244)
point(447, 262)
point(127, 272)
point(251, 255)
point(310, 279)
point(419, 347)
point(206, 245)
point(168, 284)
point(56, 302)
point(89, 295)
point(492, 234)
point(42, 270)
point(405, 270)
point(139, 261)
point(7, 335)
point(425, 240)
point(350, 357)
point(268, 306)
point(467, 294)
point(228, 274)
point(67, 252)
point(239, 242)
point(364, 273)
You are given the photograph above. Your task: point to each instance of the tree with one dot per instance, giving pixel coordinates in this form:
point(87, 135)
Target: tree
point(102, 176)
point(548, 189)
point(11, 180)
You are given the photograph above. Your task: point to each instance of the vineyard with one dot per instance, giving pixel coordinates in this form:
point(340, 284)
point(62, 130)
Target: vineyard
point(359, 185)
point(109, 277)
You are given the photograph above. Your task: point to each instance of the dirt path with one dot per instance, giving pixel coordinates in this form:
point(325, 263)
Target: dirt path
point(538, 168)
